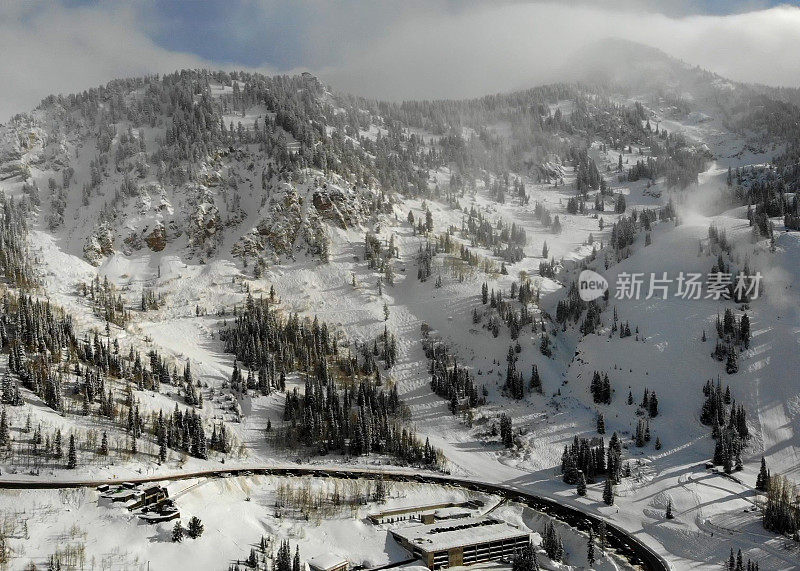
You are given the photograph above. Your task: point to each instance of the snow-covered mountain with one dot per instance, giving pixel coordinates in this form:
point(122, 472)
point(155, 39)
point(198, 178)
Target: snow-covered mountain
point(148, 173)
point(176, 218)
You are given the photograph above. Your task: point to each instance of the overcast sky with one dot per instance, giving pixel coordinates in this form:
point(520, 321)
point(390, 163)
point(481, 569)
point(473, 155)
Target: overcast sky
point(393, 50)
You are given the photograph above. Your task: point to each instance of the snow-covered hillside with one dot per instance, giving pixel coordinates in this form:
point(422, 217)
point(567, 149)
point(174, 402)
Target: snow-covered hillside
point(199, 193)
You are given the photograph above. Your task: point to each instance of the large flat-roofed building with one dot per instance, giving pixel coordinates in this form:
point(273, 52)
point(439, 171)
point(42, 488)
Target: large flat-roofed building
point(462, 541)
point(425, 514)
point(327, 562)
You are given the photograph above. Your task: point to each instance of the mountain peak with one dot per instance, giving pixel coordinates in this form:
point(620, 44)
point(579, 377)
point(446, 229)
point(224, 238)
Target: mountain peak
point(638, 66)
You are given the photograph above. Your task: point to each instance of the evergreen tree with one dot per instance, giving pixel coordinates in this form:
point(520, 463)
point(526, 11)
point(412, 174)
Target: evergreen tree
point(581, 488)
point(590, 552)
point(653, 405)
point(72, 455)
point(195, 528)
point(762, 480)
point(732, 364)
point(608, 493)
point(177, 532)
point(779, 513)
point(551, 542)
point(525, 559)
point(506, 431)
point(640, 433)
point(4, 432)
point(536, 381)
point(283, 561)
point(544, 346)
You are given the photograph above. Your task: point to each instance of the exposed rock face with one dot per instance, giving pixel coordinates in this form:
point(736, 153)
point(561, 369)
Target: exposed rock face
point(278, 226)
point(204, 227)
point(99, 244)
point(298, 218)
point(157, 239)
point(132, 242)
point(129, 205)
point(329, 205)
point(322, 201)
point(56, 152)
point(13, 168)
point(282, 230)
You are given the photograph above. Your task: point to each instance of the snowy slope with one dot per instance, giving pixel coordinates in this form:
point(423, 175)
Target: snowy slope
point(202, 265)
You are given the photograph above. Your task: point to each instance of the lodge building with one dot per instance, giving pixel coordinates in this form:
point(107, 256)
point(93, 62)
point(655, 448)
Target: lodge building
point(462, 541)
point(327, 562)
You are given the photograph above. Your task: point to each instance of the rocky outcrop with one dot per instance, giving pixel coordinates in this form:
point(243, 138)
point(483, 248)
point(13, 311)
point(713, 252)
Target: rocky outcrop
point(99, 244)
point(132, 242)
point(204, 227)
point(327, 204)
point(157, 238)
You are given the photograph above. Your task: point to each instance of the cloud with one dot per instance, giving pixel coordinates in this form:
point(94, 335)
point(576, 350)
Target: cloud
point(48, 49)
point(496, 48)
point(413, 49)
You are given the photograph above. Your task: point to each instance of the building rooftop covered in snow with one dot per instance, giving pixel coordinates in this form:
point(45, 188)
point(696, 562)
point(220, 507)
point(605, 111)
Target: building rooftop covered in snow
point(327, 562)
point(426, 514)
point(461, 541)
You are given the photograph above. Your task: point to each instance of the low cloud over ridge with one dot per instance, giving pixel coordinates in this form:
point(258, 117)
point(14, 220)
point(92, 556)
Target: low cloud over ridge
point(417, 50)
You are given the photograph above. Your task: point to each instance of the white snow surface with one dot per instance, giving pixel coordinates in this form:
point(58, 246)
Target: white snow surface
point(713, 513)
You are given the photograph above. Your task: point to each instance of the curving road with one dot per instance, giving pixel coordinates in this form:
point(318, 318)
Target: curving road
point(617, 538)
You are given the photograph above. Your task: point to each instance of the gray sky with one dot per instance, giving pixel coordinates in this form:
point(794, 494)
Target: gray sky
point(393, 50)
